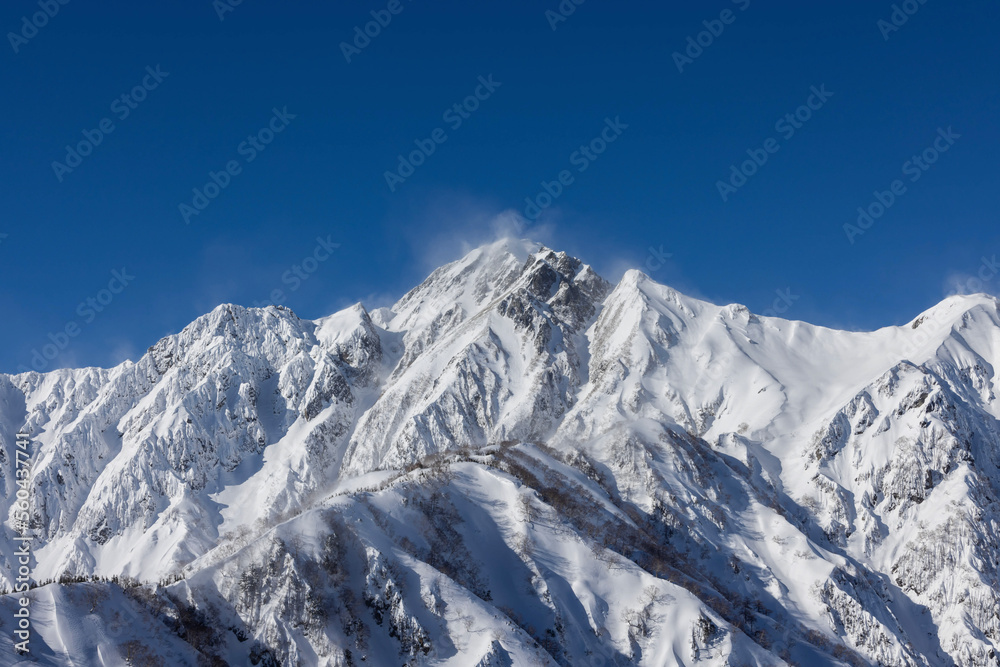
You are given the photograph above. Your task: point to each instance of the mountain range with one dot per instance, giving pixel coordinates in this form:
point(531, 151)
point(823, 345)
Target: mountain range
point(518, 463)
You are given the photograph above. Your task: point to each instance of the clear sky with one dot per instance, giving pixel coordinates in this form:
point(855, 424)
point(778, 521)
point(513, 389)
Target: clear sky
point(639, 122)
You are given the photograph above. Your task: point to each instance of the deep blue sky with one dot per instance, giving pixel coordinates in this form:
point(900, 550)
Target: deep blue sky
point(324, 174)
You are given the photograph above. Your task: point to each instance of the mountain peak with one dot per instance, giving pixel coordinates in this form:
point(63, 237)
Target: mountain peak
point(463, 286)
point(954, 307)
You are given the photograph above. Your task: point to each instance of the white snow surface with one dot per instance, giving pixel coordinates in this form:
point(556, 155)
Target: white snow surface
point(517, 464)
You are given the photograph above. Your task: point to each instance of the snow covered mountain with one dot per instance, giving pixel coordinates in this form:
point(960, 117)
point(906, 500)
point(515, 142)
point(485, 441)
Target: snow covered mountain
point(517, 464)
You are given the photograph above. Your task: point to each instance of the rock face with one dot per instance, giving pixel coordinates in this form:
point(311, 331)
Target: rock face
point(502, 362)
point(518, 464)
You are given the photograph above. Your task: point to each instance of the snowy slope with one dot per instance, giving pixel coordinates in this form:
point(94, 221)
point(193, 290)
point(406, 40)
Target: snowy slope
point(519, 464)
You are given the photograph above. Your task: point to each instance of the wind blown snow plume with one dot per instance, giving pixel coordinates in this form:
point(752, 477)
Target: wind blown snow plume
point(519, 463)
